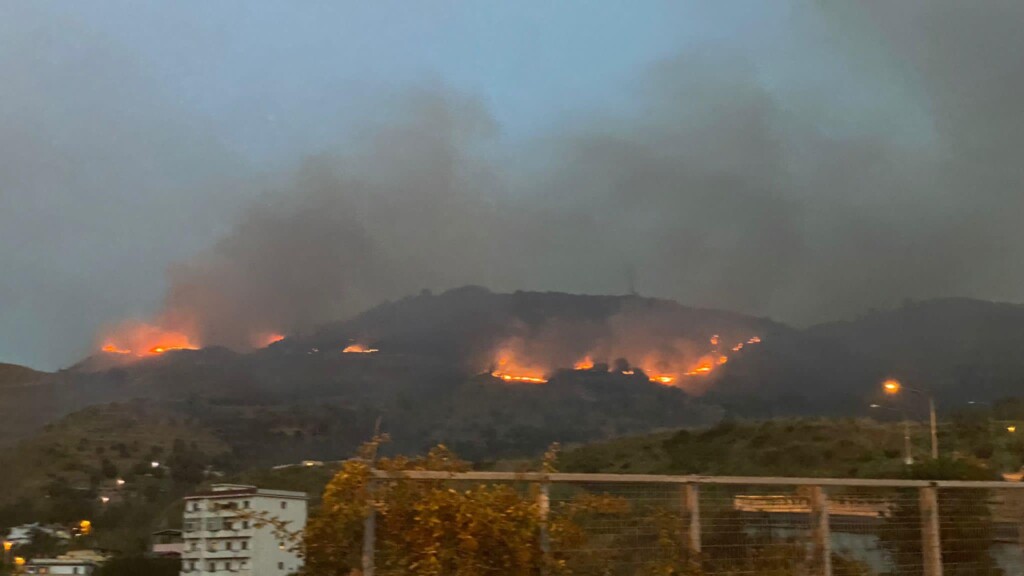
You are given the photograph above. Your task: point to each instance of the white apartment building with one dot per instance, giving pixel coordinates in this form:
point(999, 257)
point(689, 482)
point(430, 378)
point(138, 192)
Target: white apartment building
point(221, 536)
point(60, 566)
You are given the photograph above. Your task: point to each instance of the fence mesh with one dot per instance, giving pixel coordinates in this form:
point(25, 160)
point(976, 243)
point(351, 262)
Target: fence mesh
point(621, 528)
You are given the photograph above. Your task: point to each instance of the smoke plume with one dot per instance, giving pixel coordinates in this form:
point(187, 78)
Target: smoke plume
point(734, 181)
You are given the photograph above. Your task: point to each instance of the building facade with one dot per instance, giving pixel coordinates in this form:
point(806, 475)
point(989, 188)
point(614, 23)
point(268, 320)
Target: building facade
point(223, 533)
point(60, 566)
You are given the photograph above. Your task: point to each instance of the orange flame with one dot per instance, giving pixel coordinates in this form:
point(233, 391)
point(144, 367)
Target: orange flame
point(141, 339)
point(113, 349)
point(509, 369)
point(586, 363)
point(664, 379)
point(264, 339)
point(359, 349)
point(519, 378)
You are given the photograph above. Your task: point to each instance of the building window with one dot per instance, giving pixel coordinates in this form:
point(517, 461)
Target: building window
point(212, 566)
point(280, 565)
point(245, 524)
point(245, 504)
point(231, 545)
point(245, 544)
point(284, 505)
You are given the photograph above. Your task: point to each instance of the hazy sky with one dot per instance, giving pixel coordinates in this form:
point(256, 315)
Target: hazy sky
point(865, 154)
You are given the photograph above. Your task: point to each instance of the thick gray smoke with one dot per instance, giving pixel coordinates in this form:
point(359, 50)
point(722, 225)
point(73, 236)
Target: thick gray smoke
point(729, 185)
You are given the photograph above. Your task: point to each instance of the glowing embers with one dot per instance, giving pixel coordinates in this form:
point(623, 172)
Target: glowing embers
point(506, 377)
point(359, 349)
point(264, 339)
point(585, 363)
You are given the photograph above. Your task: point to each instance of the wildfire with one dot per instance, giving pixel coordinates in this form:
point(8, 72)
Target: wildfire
point(140, 340)
point(519, 378)
point(667, 365)
point(264, 339)
point(587, 363)
point(113, 349)
point(359, 349)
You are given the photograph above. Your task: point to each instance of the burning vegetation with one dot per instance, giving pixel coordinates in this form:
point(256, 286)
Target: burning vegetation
point(138, 339)
point(513, 363)
point(359, 349)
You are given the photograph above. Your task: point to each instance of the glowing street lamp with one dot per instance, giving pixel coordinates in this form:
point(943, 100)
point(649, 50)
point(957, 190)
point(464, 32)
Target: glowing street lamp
point(1011, 428)
point(893, 387)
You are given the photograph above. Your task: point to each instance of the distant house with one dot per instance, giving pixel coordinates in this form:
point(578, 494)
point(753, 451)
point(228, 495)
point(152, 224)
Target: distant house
point(60, 566)
point(23, 534)
point(168, 543)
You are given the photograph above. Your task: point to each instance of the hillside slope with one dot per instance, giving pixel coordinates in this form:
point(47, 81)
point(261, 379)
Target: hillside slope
point(13, 375)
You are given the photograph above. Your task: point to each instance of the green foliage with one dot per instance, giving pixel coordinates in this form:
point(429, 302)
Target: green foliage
point(434, 528)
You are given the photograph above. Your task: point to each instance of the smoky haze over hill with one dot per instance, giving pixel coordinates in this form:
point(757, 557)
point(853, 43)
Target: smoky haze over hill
point(861, 155)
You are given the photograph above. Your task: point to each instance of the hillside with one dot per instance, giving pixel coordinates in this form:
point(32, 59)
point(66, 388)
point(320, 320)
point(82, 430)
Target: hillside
point(13, 375)
point(430, 379)
point(799, 447)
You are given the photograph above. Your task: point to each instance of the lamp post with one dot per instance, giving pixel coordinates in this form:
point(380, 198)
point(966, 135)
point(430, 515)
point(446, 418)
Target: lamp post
point(894, 387)
point(908, 456)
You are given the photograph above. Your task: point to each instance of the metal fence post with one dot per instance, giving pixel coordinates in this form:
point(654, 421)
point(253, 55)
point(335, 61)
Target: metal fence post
point(821, 535)
point(544, 510)
point(369, 532)
point(691, 518)
point(931, 546)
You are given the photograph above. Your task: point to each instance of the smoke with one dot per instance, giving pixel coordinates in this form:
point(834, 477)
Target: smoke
point(868, 153)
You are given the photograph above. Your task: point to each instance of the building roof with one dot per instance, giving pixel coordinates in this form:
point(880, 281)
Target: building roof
point(61, 562)
point(234, 490)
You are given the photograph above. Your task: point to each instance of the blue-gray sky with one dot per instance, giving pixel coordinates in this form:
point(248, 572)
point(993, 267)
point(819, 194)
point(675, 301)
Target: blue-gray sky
point(775, 157)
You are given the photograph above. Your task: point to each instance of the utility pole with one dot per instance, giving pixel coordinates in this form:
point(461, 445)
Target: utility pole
point(935, 434)
point(893, 387)
point(908, 456)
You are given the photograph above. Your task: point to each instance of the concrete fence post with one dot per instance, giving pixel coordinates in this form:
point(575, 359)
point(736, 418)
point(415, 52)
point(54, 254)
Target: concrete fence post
point(691, 518)
point(821, 535)
point(544, 511)
point(931, 545)
point(369, 532)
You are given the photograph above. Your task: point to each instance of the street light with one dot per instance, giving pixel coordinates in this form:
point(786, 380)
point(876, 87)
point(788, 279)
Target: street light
point(892, 386)
point(908, 457)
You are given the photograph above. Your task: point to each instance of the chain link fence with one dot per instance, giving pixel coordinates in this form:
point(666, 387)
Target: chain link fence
point(626, 525)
